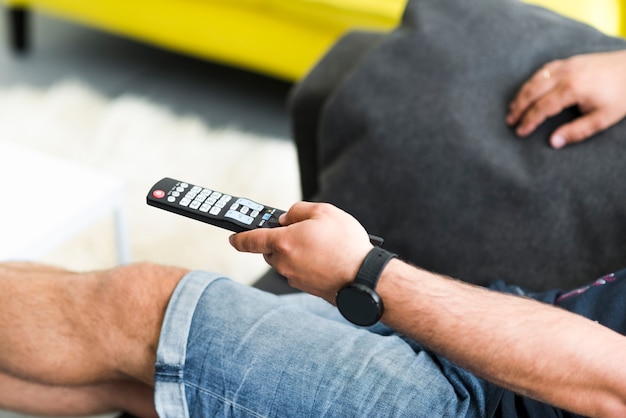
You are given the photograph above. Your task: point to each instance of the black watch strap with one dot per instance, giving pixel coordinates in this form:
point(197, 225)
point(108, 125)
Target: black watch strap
point(373, 266)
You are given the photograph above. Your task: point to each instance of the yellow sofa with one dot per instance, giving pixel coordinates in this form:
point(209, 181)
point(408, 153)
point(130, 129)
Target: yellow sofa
point(279, 38)
point(607, 15)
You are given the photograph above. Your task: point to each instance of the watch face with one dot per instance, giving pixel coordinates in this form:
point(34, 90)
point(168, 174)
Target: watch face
point(359, 304)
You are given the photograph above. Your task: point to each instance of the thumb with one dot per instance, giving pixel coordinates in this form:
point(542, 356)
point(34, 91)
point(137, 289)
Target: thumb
point(256, 241)
point(299, 212)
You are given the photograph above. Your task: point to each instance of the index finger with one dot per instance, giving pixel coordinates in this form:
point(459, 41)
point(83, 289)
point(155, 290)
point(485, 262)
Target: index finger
point(547, 106)
point(532, 90)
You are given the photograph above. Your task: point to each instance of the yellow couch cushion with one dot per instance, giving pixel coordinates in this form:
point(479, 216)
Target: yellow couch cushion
point(606, 15)
point(282, 38)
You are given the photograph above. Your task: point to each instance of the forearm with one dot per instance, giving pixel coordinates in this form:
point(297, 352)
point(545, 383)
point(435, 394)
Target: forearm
point(531, 348)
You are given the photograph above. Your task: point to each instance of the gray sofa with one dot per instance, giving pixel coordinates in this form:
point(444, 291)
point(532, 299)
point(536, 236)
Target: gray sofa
point(406, 131)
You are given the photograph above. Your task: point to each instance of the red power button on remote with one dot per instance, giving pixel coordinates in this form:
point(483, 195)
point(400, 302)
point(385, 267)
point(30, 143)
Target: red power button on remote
point(159, 194)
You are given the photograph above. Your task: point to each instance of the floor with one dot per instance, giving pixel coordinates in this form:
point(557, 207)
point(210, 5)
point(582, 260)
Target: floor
point(113, 66)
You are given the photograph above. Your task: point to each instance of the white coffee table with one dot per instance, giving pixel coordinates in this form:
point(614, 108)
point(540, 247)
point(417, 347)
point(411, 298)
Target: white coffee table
point(44, 201)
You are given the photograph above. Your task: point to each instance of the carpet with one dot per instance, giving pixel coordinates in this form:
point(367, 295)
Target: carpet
point(141, 142)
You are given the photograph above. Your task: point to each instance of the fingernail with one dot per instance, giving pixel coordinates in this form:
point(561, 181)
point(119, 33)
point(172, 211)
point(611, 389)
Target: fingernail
point(558, 141)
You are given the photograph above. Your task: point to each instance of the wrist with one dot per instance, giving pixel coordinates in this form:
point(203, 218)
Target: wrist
point(358, 301)
point(401, 285)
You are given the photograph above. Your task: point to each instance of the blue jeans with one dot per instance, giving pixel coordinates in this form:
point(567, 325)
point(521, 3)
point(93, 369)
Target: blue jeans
point(231, 350)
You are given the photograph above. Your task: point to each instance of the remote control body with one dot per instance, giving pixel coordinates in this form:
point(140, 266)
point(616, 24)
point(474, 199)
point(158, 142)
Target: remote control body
point(234, 213)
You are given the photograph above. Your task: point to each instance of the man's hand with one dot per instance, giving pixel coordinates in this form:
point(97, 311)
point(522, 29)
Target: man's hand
point(596, 83)
point(319, 248)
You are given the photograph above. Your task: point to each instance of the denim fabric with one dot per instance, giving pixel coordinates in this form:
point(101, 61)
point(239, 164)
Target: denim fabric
point(230, 350)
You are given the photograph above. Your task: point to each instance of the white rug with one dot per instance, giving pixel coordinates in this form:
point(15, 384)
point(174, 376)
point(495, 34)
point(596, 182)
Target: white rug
point(142, 142)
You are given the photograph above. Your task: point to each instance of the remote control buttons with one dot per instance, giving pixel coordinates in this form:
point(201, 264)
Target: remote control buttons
point(213, 203)
point(238, 216)
point(270, 219)
point(226, 211)
point(273, 222)
point(250, 204)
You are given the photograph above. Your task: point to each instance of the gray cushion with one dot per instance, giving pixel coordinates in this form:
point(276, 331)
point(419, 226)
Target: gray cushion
point(414, 144)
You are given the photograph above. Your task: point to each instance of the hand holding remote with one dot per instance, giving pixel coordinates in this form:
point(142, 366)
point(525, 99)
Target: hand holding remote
point(319, 249)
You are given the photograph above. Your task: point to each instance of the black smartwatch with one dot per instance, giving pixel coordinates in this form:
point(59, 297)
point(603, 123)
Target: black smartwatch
point(358, 301)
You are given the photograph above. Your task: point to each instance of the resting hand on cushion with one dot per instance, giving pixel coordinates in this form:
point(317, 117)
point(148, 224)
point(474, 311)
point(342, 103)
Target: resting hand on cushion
point(595, 82)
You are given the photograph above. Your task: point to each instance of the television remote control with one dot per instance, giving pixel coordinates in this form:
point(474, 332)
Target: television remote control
point(234, 213)
point(226, 211)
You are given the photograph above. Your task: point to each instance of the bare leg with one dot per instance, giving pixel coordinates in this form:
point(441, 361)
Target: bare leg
point(32, 398)
point(80, 329)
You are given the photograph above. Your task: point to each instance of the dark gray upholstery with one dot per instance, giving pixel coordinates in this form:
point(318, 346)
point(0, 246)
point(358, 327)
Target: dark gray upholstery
point(412, 141)
point(306, 102)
